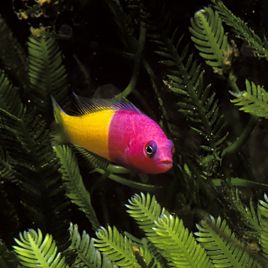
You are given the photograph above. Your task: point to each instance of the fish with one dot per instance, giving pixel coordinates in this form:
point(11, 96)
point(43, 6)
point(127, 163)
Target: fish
point(119, 132)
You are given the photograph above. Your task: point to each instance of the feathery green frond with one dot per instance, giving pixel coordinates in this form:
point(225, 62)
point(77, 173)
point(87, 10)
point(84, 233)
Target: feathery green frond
point(84, 249)
point(14, 116)
point(223, 248)
point(241, 29)
point(116, 247)
point(75, 188)
point(184, 77)
point(183, 72)
point(145, 210)
point(154, 256)
point(209, 38)
point(145, 257)
point(34, 250)
point(47, 74)
point(18, 121)
point(6, 169)
point(248, 214)
point(85, 252)
point(26, 143)
point(177, 244)
point(263, 212)
point(254, 100)
point(9, 96)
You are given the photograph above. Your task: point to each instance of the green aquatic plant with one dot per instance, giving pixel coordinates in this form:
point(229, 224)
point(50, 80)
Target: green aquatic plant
point(254, 100)
point(34, 250)
point(167, 233)
point(73, 182)
point(213, 245)
point(86, 254)
point(210, 39)
point(241, 29)
point(28, 159)
point(47, 74)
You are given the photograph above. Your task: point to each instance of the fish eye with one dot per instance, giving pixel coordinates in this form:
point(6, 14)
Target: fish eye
point(150, 149)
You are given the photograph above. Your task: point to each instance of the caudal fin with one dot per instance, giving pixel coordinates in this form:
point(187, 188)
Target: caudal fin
point(58, 135)
point(57, 111)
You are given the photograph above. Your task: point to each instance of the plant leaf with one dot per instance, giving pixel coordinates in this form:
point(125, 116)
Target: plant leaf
point(263, 212)
point(196, 101)
point(177, 244)
point(116, 247)
point(35, 251)
point(86, 253)
point(254, 100)
point(145, 210)
point(209, 38)
point(241, 29)
point(47, 74)
point(74, 185)
point(224, 249)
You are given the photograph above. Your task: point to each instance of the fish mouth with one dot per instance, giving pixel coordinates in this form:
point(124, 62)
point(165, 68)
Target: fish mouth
point(166, 164)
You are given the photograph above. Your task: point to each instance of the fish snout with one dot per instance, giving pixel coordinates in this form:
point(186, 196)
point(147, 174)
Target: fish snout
point(166, 161)
point(165, 164)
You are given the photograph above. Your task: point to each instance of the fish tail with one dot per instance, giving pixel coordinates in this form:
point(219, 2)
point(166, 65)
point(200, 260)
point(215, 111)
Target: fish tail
point(57, 111)
point(58, 135)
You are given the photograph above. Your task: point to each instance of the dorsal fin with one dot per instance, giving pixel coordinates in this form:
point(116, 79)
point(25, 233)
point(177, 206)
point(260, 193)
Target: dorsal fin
point(88, 105)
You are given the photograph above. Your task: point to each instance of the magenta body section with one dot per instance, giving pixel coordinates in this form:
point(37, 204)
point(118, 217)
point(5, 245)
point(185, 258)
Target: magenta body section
point(129, 133)
point(120, 132)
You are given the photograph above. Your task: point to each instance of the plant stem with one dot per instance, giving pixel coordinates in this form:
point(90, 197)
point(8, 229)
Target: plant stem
point(232, 82)
point(153, 80)
point(217, 182)
point(136, 70)
point(233, 147)
point(134, 184)
point(130, 183)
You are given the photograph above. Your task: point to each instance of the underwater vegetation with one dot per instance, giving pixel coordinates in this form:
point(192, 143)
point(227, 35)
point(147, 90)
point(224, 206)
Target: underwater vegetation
point(201, 76)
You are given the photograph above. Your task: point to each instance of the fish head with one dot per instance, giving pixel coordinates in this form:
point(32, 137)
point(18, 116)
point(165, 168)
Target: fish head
point(150, 151)
point(157, 155)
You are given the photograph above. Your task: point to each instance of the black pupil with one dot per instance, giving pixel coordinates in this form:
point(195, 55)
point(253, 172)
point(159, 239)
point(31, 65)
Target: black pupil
point(149, 150)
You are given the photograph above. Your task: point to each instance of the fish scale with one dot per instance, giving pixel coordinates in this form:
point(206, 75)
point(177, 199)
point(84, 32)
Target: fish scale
point(90, 131)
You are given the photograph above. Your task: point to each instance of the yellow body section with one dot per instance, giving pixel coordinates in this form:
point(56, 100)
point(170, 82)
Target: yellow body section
point(90, 131)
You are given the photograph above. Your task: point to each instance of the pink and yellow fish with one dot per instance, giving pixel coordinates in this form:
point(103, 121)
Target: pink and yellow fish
point(119, 132)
